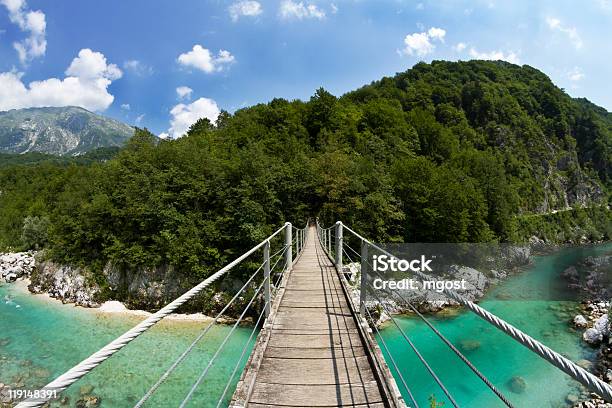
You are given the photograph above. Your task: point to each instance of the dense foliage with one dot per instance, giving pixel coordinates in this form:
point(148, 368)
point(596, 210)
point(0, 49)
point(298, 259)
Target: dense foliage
point(448, 152)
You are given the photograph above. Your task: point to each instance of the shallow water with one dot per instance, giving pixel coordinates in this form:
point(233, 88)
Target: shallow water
point(538, 304)
point(46, 338)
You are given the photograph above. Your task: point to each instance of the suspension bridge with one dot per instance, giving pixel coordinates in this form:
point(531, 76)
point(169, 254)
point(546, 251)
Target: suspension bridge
point(314, 345)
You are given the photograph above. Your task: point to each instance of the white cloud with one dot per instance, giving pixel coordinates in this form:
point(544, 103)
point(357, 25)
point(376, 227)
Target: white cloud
point(421, 43)
point(570, 32)
point(293, 10)
point(139, 119)
point(126, 106)
point(86, 85)
point(334, 8)
point(248, 8)
point(459, 47)
point(184, 92)
point(32, 22)
point(575, 74)
point(202, 59)
point(183, 116)
point(92, 65)
point(436, 33)
point(137, 67)
point(605, 4)
point(511, 57)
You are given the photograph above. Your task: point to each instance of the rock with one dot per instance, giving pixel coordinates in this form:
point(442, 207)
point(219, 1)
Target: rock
point(503, 296)
point(41, 372)
point(469, 345)
point(586, 364)
point(113, 306)
point(4, 341)
point(580, 322)
point(517, 384)
point(16, 265)
point(592, 336)
point(572, 399)
point(475, 281)
point(536, 242)
point(601, 325)
point(516, 255)
point(5, 398)
point(64, 400)
point(86, 389)
point(88, 401)
point(571, 273)
point(65, 283)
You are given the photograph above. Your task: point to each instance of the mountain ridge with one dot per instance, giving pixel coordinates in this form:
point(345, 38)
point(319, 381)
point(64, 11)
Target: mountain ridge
point(69, 130)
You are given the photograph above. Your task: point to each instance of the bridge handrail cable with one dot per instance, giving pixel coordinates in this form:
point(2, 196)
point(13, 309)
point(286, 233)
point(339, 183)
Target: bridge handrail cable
point(569, 367)
point(84, 367)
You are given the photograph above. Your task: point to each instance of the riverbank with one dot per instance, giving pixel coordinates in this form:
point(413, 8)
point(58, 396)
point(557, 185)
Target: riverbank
point(591, 278)
point(113, 306)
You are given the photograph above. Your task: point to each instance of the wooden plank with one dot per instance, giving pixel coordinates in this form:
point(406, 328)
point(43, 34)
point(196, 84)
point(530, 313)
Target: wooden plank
point(314, 355)
point(280, 339)
point(316, 396)
point(342, 369)
point(374, 405)
point(322, 330)
point(308, 353)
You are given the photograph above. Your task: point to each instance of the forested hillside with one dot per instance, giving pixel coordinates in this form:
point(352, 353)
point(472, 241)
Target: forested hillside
point(447, 152)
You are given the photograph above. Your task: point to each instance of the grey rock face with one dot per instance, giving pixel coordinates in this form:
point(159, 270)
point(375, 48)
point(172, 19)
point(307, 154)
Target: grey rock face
point(64, 131)
point(148, 288)
point(65, 283)
point(580, 322)
point(16, 265)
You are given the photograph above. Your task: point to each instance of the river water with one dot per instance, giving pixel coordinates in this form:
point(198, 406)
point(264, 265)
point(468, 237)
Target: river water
point(41, 338)
point(536, 301)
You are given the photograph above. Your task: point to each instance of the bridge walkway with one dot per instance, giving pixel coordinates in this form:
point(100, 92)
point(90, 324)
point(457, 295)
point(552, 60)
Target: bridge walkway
point(312, 352)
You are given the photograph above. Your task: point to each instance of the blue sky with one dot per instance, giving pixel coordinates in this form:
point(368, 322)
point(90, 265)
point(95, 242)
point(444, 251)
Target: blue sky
point(126, 59)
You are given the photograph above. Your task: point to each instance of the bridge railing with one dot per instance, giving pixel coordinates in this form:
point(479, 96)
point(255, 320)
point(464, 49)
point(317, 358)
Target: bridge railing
point(339, 242)
point(277, 257)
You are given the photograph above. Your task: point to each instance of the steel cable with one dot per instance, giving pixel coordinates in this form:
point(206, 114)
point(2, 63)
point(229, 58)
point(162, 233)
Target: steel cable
point(219, 349)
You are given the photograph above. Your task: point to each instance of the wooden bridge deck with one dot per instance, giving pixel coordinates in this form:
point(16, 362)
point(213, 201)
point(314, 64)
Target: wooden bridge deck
point(311, 352)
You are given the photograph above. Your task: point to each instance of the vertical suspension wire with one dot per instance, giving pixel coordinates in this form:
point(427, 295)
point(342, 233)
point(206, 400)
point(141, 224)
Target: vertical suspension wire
point(202, 334)
point(397, 370)
point(452, 347)
point(244, 349)
point(211, 362)
point(204, 373)
point(419, 355)
point(412, 345)
point(447, 342)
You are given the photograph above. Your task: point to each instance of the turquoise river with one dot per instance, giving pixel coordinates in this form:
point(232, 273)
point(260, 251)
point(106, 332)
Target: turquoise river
point(41, 338)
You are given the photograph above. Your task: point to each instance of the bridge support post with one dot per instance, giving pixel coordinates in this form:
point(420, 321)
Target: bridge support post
point(329, 245)
point(339, 246)
point(326, 237)
point(363, 282)
point(267, 296)
point(289, 245)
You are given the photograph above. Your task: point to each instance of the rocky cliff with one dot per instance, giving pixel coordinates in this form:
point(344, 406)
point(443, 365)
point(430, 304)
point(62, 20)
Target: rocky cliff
point(63, 131)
